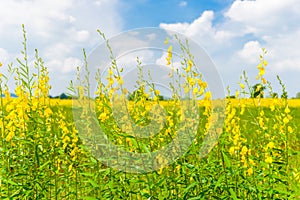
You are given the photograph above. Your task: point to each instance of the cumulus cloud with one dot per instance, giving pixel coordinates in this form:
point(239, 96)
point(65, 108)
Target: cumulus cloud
point(58, 29)
point(264, 16)
point(202, 30)
point(4, 56)
point(65, 65)
point(250, 51)
point(183, 4)
point(247, 26)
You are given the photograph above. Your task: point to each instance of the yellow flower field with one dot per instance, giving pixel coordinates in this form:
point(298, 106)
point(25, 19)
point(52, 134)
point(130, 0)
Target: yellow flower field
point(50, 148)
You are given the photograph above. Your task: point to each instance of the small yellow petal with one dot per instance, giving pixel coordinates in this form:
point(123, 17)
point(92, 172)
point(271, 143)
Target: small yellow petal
point(166, 41)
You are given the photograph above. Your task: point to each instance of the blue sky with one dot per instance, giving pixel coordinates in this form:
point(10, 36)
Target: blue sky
point(147, 13)
point(231, 31)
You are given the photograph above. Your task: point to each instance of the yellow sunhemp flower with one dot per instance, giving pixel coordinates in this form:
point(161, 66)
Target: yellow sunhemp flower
point(156, 92)
point(120, 80)
point(261, 71)
point(272, 108)
point(110, 72)
point(286, 120)
point(290, 129)
point(169, 57)
point(9, 136)
point(242, 85)
point(166, 41)
point(207, 95)
point(70, 168)
point(250, 171)
point(195, 91)
point(269, 159)
point(231, 150)
point(190, 64)
point(270, 145)
point(287, 110)
point(244, 150)
point(0, 64)
point(103, 117)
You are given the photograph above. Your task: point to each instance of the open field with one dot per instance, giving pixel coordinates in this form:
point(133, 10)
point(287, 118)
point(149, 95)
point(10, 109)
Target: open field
point(48, 161)
point(49, 149)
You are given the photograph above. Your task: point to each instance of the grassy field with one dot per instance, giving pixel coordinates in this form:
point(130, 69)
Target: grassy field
point(52, 163)
point(44, 154)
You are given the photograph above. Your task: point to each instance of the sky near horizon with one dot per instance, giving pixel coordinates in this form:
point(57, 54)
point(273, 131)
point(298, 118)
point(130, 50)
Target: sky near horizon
point(232, 32)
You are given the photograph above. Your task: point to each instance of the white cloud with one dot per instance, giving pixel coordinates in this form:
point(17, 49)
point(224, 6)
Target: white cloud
point(82, 36)
point(183, 4)
point(57, 51)
point(261, 14)
point(151, 36)
point(235, 42)
point(64, 66)
point(58, 29)
point(4, 56)
point(40, 16)
point(250, 51)
point(70, 64)
point(202, 30)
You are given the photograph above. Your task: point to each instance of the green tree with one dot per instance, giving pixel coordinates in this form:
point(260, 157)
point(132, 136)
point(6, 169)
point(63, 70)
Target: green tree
point(258, 90)
point(134, 95)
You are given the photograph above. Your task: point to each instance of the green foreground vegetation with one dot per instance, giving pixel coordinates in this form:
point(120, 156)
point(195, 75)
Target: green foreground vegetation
point(43, 157)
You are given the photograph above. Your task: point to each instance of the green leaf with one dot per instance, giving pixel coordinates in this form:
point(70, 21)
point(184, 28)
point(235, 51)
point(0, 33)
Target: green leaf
point(189, 188)
point(226, 159)
point(89, 198)
point(93, 183)
point(145, 148)
point(219, 181)
point(233, 194)
point(87, 174)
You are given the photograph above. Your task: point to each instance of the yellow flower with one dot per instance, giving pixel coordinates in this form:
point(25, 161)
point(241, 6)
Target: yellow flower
point(231, 150)
point(156, 92)
point(0, 64)
point(9, 136)
point(166, 41)
point(103, 117)
point(287, 110)
point(190, 64)
point(120, 80)
point(195, 90)
point(169, 57)
point(269, 159)
point(270, 145)
point(110, 72)
point(70, 168)
point(244, 150)
point(285, 120)
point(242, 85)
point(250, 171)
point(261, 71)
point(207, 95)
point(251, 162)
point(290, 129)
point(48, 112)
